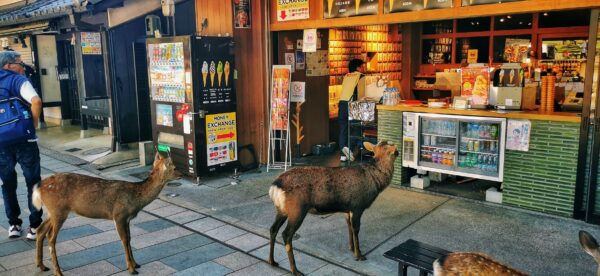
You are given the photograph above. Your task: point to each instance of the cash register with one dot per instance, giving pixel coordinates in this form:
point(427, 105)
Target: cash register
point(573, 101)
point(507, 87)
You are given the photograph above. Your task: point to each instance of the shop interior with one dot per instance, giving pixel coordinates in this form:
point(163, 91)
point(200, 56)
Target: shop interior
point(539, 44)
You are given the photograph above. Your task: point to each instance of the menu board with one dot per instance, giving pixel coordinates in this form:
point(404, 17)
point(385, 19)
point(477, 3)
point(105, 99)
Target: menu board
point(221, 141)
point(475, 85)
point(481, 2)
point(167, 72)
point(280, 94)
point(217, 83)
point(347, 8)
point(437, 4)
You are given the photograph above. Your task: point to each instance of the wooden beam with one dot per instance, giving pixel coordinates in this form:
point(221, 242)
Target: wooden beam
point(457, 12)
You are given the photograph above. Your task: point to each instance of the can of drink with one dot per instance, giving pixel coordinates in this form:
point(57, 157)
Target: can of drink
point(426, 140)
point(470, 145)
point(493, 146)
point(476, 146)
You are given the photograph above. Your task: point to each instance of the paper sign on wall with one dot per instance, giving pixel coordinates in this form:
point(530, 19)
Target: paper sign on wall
point(298, 92)
point(310, 40)
point(221, 138)
point(91, 43)
point(517, 135)
point(290, 59)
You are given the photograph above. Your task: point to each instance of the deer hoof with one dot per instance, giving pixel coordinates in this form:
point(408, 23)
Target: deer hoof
point(273, 263)
point(133, 272)
point(137, 266)
point(43, 268)
point(298, 273)
point(360, 258)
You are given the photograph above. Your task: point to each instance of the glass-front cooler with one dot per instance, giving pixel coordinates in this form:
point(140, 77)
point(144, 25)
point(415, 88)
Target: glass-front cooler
point(462, 145)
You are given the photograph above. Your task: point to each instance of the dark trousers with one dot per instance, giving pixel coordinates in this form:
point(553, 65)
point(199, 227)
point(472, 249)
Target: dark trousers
point(27, 154)
point(343, 122)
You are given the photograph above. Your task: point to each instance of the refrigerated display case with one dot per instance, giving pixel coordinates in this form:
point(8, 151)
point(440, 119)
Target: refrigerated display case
point(193, 101)
point(458, 145)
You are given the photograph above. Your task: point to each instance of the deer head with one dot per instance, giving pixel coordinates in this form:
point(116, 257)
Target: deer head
point(590, 245)
point(164, 168)
point(383, 150)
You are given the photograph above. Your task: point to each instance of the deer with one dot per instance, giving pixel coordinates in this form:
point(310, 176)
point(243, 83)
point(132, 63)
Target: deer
point(473, 263)
point(323, 190)
point(93, 197)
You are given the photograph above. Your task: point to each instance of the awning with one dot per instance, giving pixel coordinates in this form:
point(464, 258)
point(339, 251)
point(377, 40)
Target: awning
point(36, 11)
point(26, 28)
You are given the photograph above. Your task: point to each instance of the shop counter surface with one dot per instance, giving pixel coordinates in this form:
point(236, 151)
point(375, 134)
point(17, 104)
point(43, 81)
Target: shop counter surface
point(509, 114)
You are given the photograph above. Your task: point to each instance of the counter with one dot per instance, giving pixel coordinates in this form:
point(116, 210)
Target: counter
point(541, 179)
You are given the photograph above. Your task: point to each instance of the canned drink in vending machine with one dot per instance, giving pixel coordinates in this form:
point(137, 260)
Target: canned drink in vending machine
point(476, 146)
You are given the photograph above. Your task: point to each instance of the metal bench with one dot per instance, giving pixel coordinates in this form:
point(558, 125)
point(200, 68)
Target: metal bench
point(416, 254)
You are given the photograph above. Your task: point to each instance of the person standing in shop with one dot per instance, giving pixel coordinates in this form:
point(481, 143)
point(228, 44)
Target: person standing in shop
point(353, 88)
point(13, 83)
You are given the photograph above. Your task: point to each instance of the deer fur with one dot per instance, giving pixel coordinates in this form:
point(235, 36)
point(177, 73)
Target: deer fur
point(94, 197)
point(321, 190)
point(471, 263)
point(590, 245)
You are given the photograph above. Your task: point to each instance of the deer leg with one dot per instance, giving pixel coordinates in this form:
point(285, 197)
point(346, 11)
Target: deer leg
point(294, 222)
point(121, 225)
point(355, 229)
point(279, 220)
point(350, 234)
point(39, 244)
point(57, 223)
point(129, 246)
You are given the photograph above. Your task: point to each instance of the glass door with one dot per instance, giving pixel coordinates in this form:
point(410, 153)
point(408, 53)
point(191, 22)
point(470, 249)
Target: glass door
point(438, 142)
point(480, 147)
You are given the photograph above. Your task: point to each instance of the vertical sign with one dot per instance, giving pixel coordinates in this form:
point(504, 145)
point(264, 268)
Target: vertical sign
point(292, 10)
point(221, 138)
point(475, 85)
point(402, 5)
point(242, 18)
point(91, 43)
point(280, 94)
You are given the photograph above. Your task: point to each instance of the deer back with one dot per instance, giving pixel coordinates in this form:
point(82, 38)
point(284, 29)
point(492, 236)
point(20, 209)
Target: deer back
point(470, 263)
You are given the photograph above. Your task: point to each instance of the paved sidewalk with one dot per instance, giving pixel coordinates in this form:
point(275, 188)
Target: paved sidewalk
point(166, 239)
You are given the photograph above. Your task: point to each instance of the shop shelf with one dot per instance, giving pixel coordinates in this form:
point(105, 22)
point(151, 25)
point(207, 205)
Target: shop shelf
point(438, 135)
point(478, 152)
point(442, 147)
point(479, 139)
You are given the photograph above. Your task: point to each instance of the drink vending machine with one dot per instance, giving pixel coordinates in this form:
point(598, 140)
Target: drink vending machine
point(193, 101)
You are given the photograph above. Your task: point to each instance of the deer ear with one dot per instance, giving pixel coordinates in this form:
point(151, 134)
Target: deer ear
point(589, 244)
point(368, 146)
point(157, 156)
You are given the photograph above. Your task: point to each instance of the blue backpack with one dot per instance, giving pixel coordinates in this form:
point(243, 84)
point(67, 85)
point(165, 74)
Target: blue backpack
point(16, 120)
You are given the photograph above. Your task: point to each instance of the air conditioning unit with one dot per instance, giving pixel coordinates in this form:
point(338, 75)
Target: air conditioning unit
point(152, 24)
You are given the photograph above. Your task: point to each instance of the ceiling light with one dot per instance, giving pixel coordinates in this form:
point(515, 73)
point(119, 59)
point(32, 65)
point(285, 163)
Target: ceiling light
point(545, 14)
point(501, 19)
point(508, 16)
point(520, 22)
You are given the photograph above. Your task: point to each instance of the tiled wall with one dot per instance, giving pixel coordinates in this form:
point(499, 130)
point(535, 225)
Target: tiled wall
point(389, 128)
point(543, 178)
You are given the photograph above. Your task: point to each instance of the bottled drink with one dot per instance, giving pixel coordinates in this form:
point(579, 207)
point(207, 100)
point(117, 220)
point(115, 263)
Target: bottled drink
point(475, 130)
point(451, 158)
point(476, 146)
point(470, 145)
point(494, 131)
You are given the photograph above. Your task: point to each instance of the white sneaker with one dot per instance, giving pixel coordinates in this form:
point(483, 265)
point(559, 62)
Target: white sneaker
point(14, 231)
point(348, 154)
point(343, 158)
point(31, 234)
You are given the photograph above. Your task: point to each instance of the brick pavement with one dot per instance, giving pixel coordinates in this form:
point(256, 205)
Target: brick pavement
point(166, 240)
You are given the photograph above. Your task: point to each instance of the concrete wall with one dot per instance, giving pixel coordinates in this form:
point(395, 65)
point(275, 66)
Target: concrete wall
point(47, 55)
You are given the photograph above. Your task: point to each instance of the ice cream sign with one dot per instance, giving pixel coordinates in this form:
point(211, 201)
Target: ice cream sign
point(292, 10)
point(221, 138)
point(220, 70)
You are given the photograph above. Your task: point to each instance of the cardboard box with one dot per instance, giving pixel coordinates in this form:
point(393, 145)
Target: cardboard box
point(529, 95)
point(493, 195)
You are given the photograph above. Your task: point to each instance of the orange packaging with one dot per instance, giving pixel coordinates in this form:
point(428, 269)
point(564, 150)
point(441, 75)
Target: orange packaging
point(543, 98)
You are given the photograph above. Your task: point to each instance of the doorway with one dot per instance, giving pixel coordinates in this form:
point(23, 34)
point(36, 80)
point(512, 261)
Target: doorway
point(67, 75)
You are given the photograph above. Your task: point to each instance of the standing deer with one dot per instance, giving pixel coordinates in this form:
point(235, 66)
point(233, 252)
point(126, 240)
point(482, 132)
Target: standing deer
point(320, 190)
point(94, 197)
point(470, 263)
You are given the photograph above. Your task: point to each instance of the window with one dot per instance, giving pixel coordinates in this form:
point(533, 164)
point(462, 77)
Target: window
point(438, 27)
point(437, 51)
point(479, 24)
point(513, 22)
point(463, 45)
point(565, 19)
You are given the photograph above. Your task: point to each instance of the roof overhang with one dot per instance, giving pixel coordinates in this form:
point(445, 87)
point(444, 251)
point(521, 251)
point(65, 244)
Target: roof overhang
point(35, 27)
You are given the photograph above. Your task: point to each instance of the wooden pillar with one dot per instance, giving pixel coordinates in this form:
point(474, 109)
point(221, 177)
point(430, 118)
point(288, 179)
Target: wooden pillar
point(411, 57)
point(218, 16)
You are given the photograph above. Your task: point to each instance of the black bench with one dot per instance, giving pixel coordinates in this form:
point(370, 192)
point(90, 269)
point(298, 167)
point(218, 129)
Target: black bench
point(416, 254)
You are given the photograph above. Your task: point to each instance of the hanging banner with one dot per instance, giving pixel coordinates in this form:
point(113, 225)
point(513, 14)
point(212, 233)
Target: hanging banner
point(517, 135)
point(241, 14)
point(475, 85)
point(292, 10)
point(298, 92)
point(402, 5)
point(221, 138)
point(347, 8)
point(309, 41)
point(91, 43)
point(481, 2)
point(280, 93)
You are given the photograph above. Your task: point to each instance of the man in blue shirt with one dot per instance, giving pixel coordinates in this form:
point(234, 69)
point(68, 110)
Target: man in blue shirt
point(26, 153)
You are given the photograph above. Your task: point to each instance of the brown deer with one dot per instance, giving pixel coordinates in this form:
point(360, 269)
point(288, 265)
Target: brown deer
point(94, 197)
point(471, 263)
point(321, 190)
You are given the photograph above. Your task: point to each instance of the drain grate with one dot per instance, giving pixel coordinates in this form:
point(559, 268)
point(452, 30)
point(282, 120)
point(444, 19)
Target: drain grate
point(73, 149)
point(95, 151)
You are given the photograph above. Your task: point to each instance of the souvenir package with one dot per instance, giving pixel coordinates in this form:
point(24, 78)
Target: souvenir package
point(361, 111)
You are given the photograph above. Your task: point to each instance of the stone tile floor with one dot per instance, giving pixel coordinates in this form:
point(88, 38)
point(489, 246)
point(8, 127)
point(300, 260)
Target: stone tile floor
point(166, 240)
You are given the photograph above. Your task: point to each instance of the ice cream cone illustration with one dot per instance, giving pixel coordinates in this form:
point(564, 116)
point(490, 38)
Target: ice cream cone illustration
point(391, 5)
point(512, 76)
point(330, 6)
point(357, 5)
point(204, 72)
point(227, 71)
point(220, 72)
point(212, 73)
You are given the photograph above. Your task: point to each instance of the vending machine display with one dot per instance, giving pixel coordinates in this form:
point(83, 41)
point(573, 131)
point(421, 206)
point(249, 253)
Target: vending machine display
point(193, 101)
point(458, 145)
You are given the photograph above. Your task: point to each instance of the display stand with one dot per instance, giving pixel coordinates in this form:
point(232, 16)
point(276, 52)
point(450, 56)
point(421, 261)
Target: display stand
point(279, 121)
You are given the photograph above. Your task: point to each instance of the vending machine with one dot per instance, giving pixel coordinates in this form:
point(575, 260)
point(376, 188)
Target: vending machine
point(193, 101)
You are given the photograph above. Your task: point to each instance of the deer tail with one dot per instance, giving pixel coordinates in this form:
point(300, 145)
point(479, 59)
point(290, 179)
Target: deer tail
point(277, 195)
point(36, 197)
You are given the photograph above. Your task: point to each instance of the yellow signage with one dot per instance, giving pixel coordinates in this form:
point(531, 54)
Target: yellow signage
point(292, 10)
point(221, 138)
